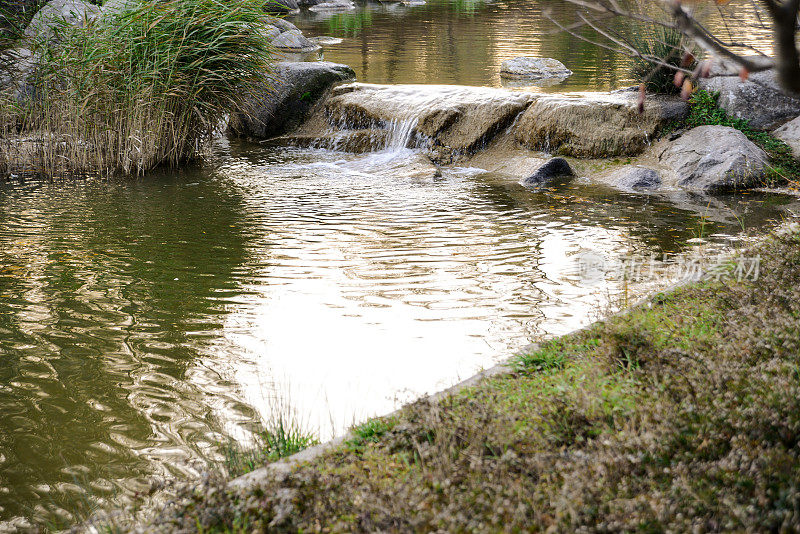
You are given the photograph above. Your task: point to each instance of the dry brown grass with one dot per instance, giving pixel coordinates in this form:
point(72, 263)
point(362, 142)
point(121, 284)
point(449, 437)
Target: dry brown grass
point(681, 416)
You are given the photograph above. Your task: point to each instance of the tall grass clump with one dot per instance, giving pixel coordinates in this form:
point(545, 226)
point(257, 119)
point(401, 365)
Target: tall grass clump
point(657, 44)
point(134, 90)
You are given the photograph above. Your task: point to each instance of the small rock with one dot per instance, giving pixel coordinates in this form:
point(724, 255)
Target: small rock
point(714, 159)
point(533, 67)
point(554, 168)
point(636, 178)
point(333, 5)
point(294, 41)
point(325, 40)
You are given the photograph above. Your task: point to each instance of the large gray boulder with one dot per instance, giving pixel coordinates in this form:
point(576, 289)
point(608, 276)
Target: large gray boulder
point(759, 100)
point(595, 125)
point(789, 133)
point(57, 17)
point(713, 159)
point(288, 95)
point(51, 24)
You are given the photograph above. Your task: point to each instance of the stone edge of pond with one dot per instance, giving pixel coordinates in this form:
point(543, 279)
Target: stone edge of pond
point(285, 465)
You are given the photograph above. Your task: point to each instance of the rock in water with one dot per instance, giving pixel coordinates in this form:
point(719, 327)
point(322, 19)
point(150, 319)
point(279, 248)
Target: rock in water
point(634, 178)
point(287, 96)
point(455, 119)
point(714, 159)
point(547, 173)
point(333, 5)
point(759, 100)
point(281, 7)
point(282, 24)
point(533, 67)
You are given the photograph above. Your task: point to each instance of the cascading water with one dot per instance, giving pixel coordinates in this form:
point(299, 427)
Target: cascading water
point(402, 132)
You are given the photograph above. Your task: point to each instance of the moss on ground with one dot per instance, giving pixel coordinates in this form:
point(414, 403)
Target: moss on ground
point(682, 415)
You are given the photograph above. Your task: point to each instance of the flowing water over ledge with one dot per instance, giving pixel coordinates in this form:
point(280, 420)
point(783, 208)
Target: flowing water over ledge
point(144, 322)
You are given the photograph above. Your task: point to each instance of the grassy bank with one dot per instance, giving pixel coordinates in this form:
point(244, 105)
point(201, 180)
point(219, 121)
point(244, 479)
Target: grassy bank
point(682, 415)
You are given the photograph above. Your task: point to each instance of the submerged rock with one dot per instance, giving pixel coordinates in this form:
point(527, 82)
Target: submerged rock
point(714, 159)
point(287, 96)
point(635, 178)
point(547, 173)
point(759, 100)
point(455, 119)
point(595, 125)
point(533, 67)
point(355, 141)
point(789, 133)
point(325, 40)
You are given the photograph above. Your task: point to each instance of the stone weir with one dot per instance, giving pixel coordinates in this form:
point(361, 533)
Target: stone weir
point(455, 122)
point(510, 131)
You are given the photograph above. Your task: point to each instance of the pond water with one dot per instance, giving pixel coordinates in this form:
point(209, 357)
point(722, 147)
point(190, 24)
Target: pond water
point(465, 41)
point(146, 322)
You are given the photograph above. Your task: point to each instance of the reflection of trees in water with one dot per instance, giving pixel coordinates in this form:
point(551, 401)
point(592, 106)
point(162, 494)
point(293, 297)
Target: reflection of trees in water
point(107, 294)
point(465, 42)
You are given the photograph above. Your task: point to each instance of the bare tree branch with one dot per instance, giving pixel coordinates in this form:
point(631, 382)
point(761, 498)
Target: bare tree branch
point(779, 17)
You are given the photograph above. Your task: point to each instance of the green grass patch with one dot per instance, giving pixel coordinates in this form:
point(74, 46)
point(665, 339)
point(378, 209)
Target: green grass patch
point(279, 441)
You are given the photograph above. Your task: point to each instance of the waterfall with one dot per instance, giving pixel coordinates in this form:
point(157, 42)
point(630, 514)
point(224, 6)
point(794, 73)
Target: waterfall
point(401, 133)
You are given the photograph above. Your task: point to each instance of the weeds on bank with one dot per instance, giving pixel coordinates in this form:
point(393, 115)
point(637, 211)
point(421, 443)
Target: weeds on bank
point(704, 110)
point(279, 440)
